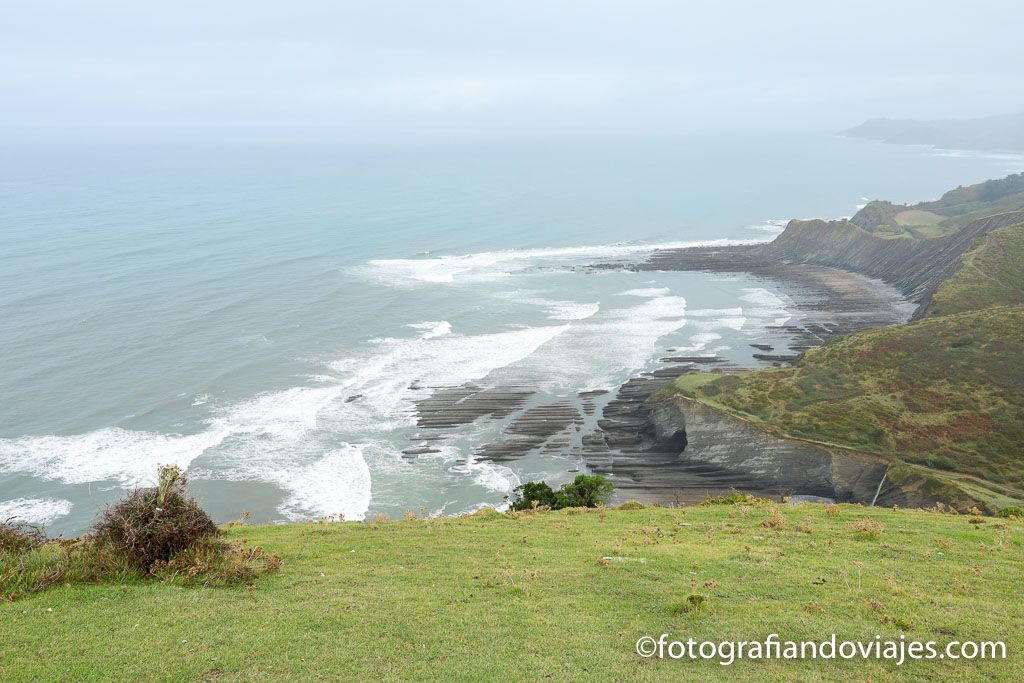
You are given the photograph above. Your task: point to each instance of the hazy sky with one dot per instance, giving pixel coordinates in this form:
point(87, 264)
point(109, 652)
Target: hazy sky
point(383, 67)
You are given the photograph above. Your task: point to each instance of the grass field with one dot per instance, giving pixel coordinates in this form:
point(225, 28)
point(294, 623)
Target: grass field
point(493, 597)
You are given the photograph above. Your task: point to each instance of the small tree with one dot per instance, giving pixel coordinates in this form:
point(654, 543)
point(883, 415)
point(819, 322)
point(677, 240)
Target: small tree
point(586, 491)
point(534, 494)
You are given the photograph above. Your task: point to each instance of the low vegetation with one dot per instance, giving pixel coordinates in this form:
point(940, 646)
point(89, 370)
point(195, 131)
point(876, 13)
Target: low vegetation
point(585, 491)
point(153, 534)
point(565, 593)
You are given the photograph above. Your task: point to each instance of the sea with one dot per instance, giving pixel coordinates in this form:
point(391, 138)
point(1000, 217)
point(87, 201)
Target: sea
point(267, 315)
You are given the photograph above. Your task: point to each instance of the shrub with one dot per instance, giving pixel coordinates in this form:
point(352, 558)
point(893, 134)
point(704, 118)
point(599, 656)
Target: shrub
point(868, 527)
point(734, 498)
point(632, 505)
point(534, 494)
point(585, 491)
point(1012, 511)
point(19, 538)
point(215, 562)
point(151, 525)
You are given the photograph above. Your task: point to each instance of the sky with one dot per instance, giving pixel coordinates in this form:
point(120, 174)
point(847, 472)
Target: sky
point(383, 68)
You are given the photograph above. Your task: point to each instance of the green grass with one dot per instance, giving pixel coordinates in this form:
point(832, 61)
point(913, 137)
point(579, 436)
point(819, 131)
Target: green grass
point(491, 597)
point(917, 224)
point(954, 210)
point(991, 274)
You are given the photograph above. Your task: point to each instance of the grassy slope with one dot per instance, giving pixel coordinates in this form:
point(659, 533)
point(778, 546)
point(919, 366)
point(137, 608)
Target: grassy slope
point(490, 597)
point(992, 274)
point(946, 391)
point(952, 211)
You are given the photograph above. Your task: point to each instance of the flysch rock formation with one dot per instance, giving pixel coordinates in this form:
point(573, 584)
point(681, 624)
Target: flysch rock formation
point(841, 278)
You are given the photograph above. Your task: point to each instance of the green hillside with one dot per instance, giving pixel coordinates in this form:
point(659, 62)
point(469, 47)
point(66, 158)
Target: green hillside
point(946, 215)
point(549, 596)
point(946, 392)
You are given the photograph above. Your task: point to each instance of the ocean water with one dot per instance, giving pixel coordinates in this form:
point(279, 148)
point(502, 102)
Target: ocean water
point(266, 315)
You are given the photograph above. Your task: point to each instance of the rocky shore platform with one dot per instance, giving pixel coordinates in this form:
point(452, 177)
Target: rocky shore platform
point(654, 455)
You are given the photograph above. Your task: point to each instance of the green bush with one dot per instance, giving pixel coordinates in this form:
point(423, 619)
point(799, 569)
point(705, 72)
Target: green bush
point(585, 491)
point(734, 498)
point(1012, 511)
point(534, 494)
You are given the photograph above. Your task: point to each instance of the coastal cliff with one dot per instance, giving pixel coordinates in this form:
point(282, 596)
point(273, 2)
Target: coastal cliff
point(939, 400)
point(797, 468)
point(915, 267)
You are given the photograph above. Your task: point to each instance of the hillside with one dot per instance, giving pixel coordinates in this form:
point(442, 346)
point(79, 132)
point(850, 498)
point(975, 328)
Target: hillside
point(993, 133)
point(945, 392)
point(556, 596)
point(914, 248)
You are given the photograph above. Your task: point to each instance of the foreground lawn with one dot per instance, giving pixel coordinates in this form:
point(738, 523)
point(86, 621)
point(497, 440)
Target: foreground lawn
point(490, 597)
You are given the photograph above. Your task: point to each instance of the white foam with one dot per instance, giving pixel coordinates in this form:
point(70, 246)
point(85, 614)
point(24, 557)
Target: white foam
point(571, 310)
point(767, 307)
point(556, 309)
point(762, 297)
point(437, 328)
point(732, 323)
point(129, 458)
point(601, 351)
point(491, 476)
point(485, 266)
point(773, 226)
point(338, 483)
point(648, 292)
point(714, 312)
point(41, 511)
point(387, 378)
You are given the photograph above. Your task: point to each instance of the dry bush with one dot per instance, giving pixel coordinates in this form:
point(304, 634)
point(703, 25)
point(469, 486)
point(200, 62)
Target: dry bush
point(16, 537)
point(832, 510)
point(151, 525)
point(216, 562)
point(867, 527)
point(804, 528)
point(774, 521)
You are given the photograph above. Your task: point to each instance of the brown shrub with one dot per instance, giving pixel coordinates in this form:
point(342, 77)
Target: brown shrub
point(216, 562)
point(868, 527)
point(16, 537)
point(774, 521)
point(832, 510)
point(151, 525)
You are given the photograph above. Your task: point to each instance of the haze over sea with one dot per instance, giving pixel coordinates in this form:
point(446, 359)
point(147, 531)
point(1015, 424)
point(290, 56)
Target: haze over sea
point(266, 315)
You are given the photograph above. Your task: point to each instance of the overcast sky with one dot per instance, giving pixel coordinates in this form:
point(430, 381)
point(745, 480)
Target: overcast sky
point(384, 67)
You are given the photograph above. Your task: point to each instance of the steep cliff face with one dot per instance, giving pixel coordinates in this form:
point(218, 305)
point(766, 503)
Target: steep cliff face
point(916, 267)
point(721, 440)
